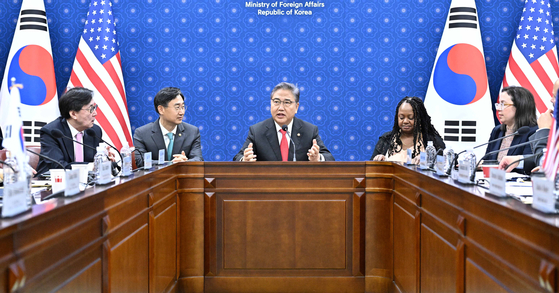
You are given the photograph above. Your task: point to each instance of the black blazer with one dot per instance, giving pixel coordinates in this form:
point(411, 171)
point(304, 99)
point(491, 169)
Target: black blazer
point(265, 143)
point(149, 138)
point(384, 143)
point(523, 150)
point(1, 139)
point(61, 149)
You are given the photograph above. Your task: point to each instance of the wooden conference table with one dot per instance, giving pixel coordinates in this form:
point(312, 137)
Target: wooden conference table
point(280, 227)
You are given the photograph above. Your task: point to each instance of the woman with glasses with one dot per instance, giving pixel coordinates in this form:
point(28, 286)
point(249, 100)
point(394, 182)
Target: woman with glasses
point(412, 129)
point(516, 109)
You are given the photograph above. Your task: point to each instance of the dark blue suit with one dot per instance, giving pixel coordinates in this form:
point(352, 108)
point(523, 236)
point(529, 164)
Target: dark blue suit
point(523, 150)
point(61, 149)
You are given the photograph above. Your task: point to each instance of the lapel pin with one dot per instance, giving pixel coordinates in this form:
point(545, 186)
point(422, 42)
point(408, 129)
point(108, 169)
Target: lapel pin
point(298, 134)
point(180, 134)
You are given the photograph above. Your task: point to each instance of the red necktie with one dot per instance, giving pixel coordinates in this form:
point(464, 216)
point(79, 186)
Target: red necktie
point(284, 146)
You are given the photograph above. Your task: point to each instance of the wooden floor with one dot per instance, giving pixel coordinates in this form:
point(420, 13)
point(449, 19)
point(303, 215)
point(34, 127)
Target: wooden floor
point(281, 227)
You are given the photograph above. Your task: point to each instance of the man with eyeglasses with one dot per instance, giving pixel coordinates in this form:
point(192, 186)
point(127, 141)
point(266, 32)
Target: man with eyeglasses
point(180, 140)
point(267, 141)
point(77, 114)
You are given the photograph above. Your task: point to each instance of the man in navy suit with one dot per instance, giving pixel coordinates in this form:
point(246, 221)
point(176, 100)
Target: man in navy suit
point(77, 114)
point(180, 140)
point(267, 141)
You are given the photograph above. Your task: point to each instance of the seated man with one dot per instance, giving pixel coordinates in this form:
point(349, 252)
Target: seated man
point(267, 141)
point(180, 140)
point(77, 114)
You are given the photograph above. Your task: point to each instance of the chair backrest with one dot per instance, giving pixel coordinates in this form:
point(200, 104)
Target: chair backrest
point(33, 159)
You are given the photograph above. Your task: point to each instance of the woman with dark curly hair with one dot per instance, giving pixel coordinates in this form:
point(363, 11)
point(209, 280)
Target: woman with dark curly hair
point(412, 129)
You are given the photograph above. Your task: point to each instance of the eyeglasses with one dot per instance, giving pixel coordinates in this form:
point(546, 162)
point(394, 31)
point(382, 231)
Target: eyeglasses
point(286, 103)
point(180, 107)
point(92, 108)
point(502, 106)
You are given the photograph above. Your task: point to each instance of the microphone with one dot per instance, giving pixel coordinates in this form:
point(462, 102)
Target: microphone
point(46, 158)
point(497, 151)
point(91, 132)
point(2, 162)
point(520, 131)
point(284, 128)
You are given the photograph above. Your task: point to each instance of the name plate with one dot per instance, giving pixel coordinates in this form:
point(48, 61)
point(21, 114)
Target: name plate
point(439, 166)
point(498, 180)
point(72, 182)
point(423, 161)
point(105, 175)
point(147, 160)
point(15, 198)
point(161, 160)
point(464, 173)
point(543, 198)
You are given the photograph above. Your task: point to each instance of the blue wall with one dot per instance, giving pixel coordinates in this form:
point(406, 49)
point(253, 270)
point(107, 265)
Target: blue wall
point(353, 59)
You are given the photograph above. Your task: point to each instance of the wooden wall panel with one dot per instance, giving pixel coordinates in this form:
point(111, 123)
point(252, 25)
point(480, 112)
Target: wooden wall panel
point(478, 281)
point(165, 242)
point(284, 234)
point(129, 262)
point(86, 281)
point(405, 254)
point(191, 219)
point(438, 263)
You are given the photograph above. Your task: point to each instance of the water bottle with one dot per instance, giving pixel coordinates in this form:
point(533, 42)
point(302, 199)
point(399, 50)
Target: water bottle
point(126, 160)
point(540, 163)
point(10, 176)
point(28, 174)
point(470, 161)
point(98, 159)
point(448, 154)
point(431, 154)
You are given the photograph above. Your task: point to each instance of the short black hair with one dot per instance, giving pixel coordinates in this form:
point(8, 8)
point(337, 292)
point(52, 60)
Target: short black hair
point(287, 86)
point(165, 95)
point(73, 100)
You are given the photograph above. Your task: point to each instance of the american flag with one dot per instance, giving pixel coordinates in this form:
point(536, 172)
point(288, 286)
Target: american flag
point(533, 58)
point(98, 67)
point(551, 160)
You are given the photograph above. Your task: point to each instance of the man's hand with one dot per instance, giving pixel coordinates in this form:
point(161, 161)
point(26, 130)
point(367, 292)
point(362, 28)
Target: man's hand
point(180, 158)
point(112, 156)
point(379, 158)
point(314, 152)
point(248, 155)
point(505, 163)
point(545, 119)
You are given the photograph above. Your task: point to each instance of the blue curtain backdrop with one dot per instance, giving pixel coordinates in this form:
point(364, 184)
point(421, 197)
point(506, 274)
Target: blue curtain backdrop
point(353, 59)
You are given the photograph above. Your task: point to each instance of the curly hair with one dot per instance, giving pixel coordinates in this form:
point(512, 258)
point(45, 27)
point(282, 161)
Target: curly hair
point(422, 129)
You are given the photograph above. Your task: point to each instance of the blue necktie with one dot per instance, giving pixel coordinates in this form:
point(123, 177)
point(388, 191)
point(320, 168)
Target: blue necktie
point(170, 146)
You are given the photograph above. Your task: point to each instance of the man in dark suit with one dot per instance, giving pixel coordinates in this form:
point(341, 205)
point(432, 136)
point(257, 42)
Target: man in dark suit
point(77, 114)
point(180, 140)
point(267, 141)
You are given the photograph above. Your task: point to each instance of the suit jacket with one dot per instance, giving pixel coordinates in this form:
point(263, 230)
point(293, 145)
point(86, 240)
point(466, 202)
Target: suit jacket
point(149, 138)
point(384, 143)
point(61, 149)
point(518, 139)
point(265, 143)
point(1, 139)
point(537, 146)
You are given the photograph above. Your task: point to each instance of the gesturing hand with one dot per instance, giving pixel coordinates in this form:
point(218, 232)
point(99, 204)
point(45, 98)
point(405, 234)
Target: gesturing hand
point(248, 155)
point(314, 152)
